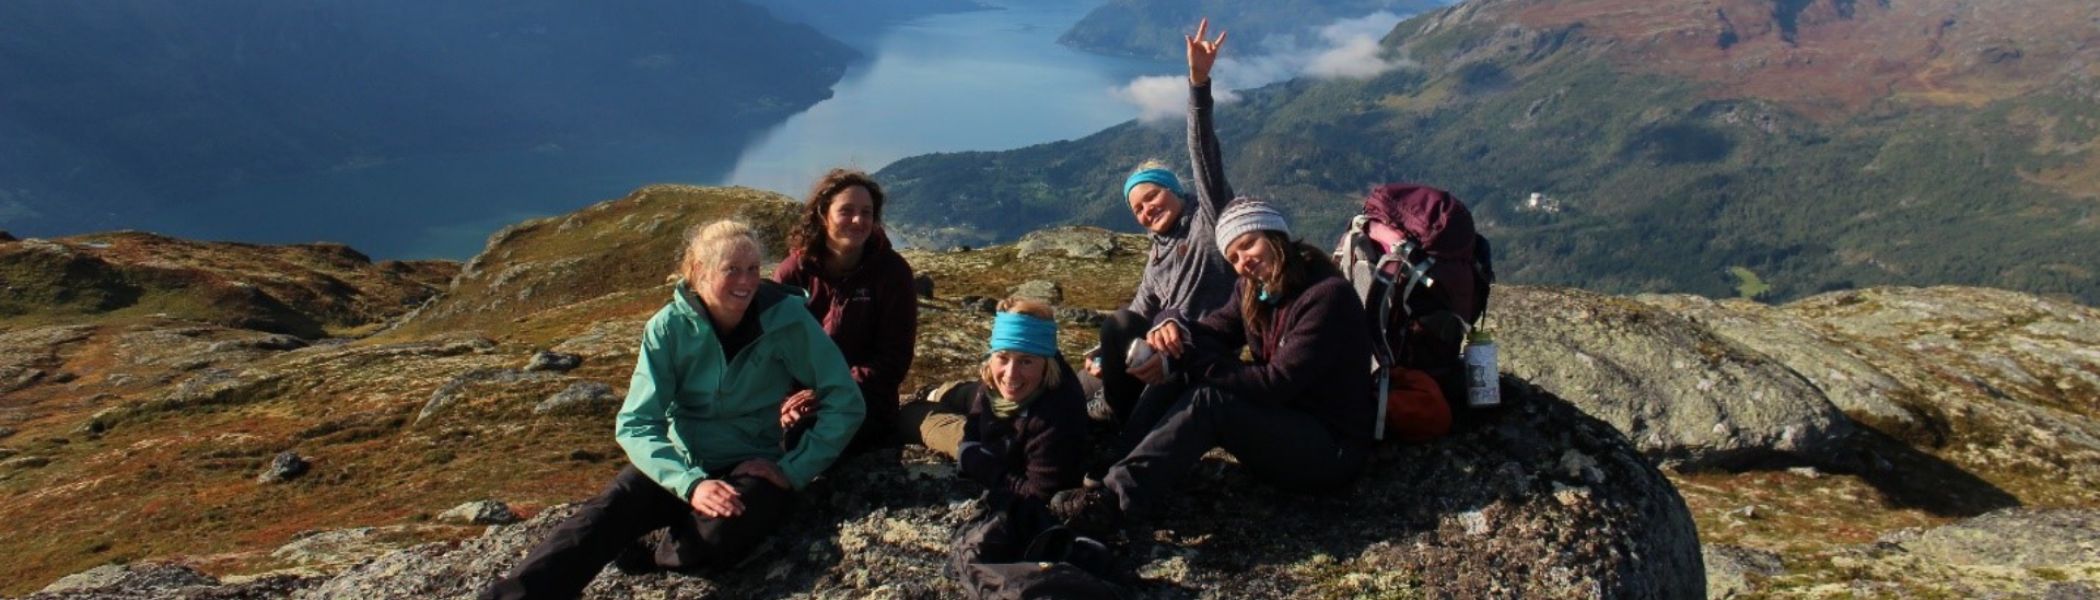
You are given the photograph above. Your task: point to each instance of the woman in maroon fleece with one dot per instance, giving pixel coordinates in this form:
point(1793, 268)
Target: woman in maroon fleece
point(1299, 415)
point(861, 290)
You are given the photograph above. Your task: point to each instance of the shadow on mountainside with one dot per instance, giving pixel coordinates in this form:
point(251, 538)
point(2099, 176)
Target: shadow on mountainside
point(1911, 478)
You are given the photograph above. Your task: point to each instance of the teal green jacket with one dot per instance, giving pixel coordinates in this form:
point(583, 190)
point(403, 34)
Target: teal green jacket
point(690, 414)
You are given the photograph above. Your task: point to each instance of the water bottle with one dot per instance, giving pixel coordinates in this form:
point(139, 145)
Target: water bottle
point(1483, 377)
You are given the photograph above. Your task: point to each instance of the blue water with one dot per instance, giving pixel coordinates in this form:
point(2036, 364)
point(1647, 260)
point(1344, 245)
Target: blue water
point(984, 80)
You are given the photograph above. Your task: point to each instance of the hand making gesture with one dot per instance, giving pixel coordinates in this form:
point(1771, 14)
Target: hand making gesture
point(1202, 52)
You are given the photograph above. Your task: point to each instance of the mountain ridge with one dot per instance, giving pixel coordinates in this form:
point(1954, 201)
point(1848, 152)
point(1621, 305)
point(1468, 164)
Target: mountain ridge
point(1660, 181)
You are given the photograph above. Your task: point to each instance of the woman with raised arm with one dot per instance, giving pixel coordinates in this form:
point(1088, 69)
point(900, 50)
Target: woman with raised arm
point(1185, 271)
point(861, 290)
point(701, 426)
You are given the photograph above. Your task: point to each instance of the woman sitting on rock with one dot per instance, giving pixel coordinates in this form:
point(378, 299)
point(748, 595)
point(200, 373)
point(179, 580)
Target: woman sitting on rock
point(861, 290)
point(1184, 271)
point(1024, 440)
point(701, 426)
point(1299, 415)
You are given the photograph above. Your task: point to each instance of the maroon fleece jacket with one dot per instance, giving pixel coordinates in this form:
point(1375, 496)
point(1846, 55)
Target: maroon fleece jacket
point(1315, 355)
point(872, 313)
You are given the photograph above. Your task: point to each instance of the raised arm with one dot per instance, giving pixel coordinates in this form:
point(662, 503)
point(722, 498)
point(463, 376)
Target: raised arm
point(1212, 191)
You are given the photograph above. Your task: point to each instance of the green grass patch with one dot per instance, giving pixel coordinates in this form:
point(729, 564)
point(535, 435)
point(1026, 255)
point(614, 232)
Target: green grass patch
point(1748, 286)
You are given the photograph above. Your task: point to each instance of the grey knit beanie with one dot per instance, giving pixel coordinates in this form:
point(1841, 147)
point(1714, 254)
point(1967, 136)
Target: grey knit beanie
point(1247, 214)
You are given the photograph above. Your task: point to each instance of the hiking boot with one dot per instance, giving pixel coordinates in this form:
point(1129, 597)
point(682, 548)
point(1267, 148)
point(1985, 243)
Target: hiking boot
point(925, 393)
point(1089, 511)
point(1062, 544)
point(639, 558)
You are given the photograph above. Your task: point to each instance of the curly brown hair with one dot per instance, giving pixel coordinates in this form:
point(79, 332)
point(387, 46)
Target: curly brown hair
point(809, 235)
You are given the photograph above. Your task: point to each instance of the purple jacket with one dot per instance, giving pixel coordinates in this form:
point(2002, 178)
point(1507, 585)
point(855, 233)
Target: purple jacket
point(872, 313)
point(1315, 356)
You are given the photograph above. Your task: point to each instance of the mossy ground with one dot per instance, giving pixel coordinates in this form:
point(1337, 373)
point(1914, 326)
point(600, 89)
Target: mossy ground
point(178, 481)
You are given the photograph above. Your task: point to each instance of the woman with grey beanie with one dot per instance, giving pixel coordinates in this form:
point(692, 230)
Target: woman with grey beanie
point(1299, 415)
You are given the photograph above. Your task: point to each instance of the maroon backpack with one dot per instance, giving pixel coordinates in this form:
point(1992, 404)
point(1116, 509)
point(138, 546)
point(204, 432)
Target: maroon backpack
point(1424, 275)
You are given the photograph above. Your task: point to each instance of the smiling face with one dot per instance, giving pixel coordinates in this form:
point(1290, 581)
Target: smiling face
point(1156, 208)
point(1253, 256)
point(849, 220)
point(1016, 374)
point(726, 288)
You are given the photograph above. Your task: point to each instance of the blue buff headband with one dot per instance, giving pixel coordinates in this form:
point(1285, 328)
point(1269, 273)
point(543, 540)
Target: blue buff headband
point(1024, 334)
point(1162, 177)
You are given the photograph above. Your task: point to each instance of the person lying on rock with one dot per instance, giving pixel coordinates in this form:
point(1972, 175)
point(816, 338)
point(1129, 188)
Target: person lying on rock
point(1299, 415)
point(861, 290)
point(701, 426)
point(953, 419)
point(1024, 438)
point(1184, 271)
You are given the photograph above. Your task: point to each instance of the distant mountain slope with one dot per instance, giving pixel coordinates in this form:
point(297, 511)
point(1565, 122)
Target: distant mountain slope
point(1153, 28)
point(1815, 145)
point(115, 114)
point(309, 290)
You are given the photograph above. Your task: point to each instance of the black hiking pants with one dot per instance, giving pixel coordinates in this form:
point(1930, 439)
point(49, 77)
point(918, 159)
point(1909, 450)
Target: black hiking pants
point(567, 561)
point(1283, 446)
point(1005, 555)
point(1118, 388)
point(1152, 406)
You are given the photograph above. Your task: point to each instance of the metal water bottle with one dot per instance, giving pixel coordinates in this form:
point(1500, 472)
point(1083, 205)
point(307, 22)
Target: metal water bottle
point(1483, 377)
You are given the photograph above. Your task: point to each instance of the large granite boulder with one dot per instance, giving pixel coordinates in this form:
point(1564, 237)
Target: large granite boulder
point(1536, 499)
point(1682, 394)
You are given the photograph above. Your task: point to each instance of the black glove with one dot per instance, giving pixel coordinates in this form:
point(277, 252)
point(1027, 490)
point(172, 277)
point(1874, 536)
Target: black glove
point(981, 464)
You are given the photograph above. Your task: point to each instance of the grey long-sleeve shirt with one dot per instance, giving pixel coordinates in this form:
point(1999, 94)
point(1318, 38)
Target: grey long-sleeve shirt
point(1185, 271)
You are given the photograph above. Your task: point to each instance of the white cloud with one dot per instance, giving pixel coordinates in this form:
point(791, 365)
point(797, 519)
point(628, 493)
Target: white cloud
point(1158, 97)
point(1347, 48)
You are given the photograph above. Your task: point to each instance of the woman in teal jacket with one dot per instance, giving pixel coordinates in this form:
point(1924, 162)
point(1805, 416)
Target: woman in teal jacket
point(701, 427)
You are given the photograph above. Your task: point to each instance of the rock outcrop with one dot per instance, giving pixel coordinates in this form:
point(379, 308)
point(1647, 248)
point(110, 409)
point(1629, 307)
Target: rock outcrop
point(1682, 393)
point(1072, 242)
point(1534, 500)
point(2032, 553)
point(1995, 380)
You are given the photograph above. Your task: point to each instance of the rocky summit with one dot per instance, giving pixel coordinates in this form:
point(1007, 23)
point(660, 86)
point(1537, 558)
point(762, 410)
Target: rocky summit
point(1535, 500)
point(1881, 442)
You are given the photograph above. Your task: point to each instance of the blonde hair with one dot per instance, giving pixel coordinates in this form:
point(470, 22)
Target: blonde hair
point(1034, 308)
point(1151, 163)
point(709, 244)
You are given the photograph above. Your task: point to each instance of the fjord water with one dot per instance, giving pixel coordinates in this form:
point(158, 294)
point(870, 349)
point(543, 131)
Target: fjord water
point(981, 80)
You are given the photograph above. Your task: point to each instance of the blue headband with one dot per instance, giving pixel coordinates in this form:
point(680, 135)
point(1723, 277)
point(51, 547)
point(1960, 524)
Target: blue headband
point(1024, 334)
point(1162, 177)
